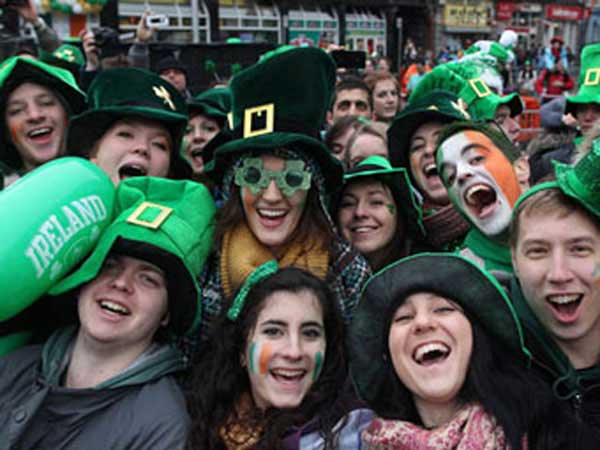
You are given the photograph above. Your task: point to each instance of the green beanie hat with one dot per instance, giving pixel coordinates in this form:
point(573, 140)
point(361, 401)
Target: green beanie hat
point(589, 79)
point(214, 103)
point(176, 220)
point(282, 101)
point(465, 79)
point(16, 71)
point(67, 56)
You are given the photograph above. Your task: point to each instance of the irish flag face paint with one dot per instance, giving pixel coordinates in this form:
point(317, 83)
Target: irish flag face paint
point(286, 349)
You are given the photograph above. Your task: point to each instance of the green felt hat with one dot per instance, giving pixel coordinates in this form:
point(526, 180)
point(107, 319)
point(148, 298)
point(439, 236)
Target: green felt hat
point(432, 106)
point(397, 180)
point(466, 80)
point(445, 274)
point(176, 219)
point(580, 182)
point(281, 102)
point(214, 103)
point(589, 79)
point(16, 71)
point(67, 56)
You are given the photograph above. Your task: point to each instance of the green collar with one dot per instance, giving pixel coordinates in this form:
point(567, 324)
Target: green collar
point(149, 366)
point(496, 256)
point(566, 380)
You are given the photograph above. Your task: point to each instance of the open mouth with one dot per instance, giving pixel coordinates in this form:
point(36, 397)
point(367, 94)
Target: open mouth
point(432, 353)
point(114, 308)
point(132, 170)
point(288, 375)
point(196, 152)
point(41, 133)
point(481, 199)
point(566, 306)
point(430, 170)
point(272, 214)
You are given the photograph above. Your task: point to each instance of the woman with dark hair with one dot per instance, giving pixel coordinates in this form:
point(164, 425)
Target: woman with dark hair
point(442, 362)
point(275, 369)
point(378, 213)
point(37, 102)
point(339, 135)
point(276, 176)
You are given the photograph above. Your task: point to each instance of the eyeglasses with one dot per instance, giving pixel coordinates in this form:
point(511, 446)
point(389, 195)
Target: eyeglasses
point(252, 175)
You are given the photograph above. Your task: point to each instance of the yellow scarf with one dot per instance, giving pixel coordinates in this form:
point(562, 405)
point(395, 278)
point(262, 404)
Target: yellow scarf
point(241, 432)
point(241, 253)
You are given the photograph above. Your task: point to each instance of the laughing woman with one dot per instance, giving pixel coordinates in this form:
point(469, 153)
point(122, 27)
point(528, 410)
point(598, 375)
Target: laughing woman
point(37, 100)
point(275, 370)
point(378, 213)
point(441, 361)
point(275, 175)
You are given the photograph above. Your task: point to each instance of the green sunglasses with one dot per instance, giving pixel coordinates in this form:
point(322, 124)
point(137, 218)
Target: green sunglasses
point(252, 175)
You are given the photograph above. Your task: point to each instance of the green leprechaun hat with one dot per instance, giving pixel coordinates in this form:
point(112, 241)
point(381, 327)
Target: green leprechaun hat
point(589, 79)
point(433, 106)
point(130, 92)
point(67, 56)
point(214, 103)
point(281, 102)
point(465, 79)
point(16, 71)
point(166, 222)
point(397, 180)
point(445, 274)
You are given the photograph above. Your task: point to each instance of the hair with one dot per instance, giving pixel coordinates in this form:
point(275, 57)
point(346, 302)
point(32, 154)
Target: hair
point(545, 202)
point(586, 146)
point(219, 380)
point(340, 127)
point(313, 222)
point(496, 136)
point(349, 83)
point(401, 242)
point(374, 129)
point(495, 378)
point(372, 79)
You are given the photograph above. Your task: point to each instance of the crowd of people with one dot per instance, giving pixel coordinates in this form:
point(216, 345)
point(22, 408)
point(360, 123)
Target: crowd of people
point(297, 258)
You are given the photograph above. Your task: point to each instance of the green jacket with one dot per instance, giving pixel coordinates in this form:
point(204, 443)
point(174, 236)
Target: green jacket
point(487, 253)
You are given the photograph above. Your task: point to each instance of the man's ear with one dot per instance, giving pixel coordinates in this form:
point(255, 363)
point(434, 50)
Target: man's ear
point(329, 117)
point(522, 169)
point(165, 320)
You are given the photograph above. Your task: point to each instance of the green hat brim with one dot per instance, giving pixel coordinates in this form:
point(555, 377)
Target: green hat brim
point(580, 99)
point(206, 110)
point(186, 311)
point(404, 126)
point(440, 273)
point(331, 167)
point(513, 101)
point(399, 183)
point(572, 186)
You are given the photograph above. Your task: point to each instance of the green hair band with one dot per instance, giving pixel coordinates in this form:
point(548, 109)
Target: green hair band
point(257, 275)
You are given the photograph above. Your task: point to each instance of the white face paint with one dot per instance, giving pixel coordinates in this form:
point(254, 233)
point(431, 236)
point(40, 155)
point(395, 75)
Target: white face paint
point(481, 181)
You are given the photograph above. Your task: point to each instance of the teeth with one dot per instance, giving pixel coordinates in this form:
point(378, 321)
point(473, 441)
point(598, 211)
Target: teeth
point(288, 373)
point(114, 307)
point(472, 191)
point(563, 299)
point(423, 350)
point(39, 131)
point(430, 169)
point(132, 170)
point(362, 229)
point(270, 213)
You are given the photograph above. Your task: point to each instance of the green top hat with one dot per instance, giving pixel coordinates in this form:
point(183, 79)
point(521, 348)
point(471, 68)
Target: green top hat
point(214, 103)
point(129, 92)
point(432, 106)
point(464, 79)
point(397, 180)
point(67, 56)
point(444, 274)
point(281, 101)
point(589, 79)
point(176, 219)
point(580, 182)
point(16, 71)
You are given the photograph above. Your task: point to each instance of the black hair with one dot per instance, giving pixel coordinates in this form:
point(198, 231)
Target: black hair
point(349, 83)
point(496, 378)
point(218, 380)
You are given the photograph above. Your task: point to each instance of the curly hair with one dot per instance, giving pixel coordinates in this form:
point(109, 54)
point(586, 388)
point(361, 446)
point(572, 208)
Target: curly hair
point(218, 381)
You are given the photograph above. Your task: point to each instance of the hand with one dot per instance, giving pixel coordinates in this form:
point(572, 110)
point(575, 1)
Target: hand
point(92, 54)
point(569, 120)
point(27, 11)
point(143, 34)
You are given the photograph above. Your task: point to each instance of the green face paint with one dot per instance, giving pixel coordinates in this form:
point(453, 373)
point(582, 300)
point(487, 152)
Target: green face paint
point(391, 208)
point(251, 352)
point(318, 365)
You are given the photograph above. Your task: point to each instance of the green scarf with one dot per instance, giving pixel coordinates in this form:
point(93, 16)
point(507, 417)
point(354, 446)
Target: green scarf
point(494, 255)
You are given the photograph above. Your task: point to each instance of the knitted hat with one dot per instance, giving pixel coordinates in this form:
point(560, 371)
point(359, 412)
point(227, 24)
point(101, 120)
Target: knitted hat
point(281, 102)
point(447, 275)
point(67, 56)
point(16, 71)
point(580, 182)
point(176, 219)
point(432, 106)
point(589, 79)
point(396, 179)
point(169, 62)
point(129, 92)
point(466, 80)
